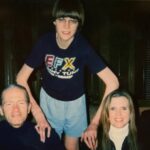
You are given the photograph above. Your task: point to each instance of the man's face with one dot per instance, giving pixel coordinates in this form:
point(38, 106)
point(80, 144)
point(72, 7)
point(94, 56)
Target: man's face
point(14, 106)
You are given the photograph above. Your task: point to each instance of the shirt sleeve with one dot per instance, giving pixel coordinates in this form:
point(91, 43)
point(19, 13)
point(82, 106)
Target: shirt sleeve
point(36, 57)
point(94, 62)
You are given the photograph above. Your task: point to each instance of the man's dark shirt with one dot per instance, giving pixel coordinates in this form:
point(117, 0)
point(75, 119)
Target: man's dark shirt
point(26, 138)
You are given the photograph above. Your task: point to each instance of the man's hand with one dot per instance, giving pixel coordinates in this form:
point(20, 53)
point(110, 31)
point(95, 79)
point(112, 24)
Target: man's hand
point(43, 128)
point(90, 136)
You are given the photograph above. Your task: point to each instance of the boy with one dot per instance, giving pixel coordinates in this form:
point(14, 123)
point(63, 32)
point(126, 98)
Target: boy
point(65, 53)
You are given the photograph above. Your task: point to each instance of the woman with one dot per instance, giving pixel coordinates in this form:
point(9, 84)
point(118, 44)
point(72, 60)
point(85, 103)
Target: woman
point(118, 122)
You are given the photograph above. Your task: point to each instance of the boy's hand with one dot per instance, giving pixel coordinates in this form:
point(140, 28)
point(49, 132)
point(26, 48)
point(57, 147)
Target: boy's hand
point(90, 136)
point(43, 128)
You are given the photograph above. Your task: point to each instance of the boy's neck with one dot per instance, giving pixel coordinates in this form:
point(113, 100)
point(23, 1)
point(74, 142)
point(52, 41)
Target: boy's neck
point(63, 44)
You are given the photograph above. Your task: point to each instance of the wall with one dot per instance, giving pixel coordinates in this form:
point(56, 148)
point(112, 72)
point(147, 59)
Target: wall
point(118, 30)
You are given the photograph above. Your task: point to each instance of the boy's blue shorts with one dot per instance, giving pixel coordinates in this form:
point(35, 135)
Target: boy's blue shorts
point(69, 117)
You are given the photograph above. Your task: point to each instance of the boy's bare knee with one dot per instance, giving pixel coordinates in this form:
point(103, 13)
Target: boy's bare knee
point(71, 143)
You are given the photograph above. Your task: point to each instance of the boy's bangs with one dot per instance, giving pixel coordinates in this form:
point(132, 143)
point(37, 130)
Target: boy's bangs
point(73, 15)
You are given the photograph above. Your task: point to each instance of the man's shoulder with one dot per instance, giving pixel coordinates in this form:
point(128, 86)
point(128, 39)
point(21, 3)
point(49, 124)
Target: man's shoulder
point(3, 124)
point(29, 125)
point(4, 129)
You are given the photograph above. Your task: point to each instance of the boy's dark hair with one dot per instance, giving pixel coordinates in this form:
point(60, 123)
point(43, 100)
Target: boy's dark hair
point(15, 86)
point(69, 8)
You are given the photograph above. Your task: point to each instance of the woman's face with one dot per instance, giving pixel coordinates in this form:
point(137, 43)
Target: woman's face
point(119, 112)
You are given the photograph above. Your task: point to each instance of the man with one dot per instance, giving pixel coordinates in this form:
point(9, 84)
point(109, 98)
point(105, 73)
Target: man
point(16, 133)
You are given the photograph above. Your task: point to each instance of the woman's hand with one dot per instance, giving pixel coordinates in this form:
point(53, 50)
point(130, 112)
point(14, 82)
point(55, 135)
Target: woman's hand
point(90, 136)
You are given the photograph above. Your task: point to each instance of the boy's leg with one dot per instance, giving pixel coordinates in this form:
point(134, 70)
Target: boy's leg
point(71, 143)
point(75, 122)
point(70, 117)
point(53, 110)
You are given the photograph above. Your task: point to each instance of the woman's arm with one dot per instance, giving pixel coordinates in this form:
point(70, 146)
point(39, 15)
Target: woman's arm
point(42, 124)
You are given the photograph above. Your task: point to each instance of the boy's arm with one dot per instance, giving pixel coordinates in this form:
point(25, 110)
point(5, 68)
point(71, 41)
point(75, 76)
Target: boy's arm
point(111, 83)
point(42, 124)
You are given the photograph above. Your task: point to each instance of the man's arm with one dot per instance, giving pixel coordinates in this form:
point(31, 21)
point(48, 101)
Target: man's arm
point(42, 124)
point(111, 83)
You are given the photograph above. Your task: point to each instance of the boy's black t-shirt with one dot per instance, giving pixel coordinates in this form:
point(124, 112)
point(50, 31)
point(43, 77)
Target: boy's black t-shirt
point(63, 70)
